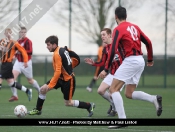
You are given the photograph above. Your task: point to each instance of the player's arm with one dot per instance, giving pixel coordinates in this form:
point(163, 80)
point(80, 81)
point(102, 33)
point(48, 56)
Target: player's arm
point(22, 51)
point(28, 47)
point(57, 70)
point(74, 57)
point(148, 45)
point(103, 59)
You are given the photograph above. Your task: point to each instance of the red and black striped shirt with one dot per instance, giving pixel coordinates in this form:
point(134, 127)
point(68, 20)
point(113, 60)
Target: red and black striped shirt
point(115, 63)
point(128, 37)
point(27, 45)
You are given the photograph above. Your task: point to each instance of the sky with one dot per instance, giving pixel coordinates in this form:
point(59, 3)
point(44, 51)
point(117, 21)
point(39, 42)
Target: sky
point(145, 17)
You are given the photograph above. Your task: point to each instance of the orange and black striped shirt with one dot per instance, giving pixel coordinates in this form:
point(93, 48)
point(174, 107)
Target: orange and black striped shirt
point(8, 50)
point(64, 60)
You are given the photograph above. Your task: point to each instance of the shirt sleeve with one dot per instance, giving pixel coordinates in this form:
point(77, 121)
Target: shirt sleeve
point(103, 59)
point(148, 45)
point(22, 51)
point(57, 64)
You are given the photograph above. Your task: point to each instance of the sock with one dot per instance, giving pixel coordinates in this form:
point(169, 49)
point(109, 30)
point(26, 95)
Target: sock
point(14, 91)
point(106, 96)
point(92, 83)
point(39, 104)
point(118, 102)
point(0, 85)
point(84, 105)
point(139, 95)
point(76, 103)
point(36, 85)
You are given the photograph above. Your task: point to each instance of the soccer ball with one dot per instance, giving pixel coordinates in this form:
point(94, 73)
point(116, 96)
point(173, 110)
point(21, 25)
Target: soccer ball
point(20, 111)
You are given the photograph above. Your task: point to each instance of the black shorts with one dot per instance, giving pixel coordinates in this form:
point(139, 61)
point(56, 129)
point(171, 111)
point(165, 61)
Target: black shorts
point(67, 87)
point(6, 70)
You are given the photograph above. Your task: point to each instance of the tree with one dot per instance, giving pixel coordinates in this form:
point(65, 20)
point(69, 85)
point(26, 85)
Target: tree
point(9, 10)
point(89, 17)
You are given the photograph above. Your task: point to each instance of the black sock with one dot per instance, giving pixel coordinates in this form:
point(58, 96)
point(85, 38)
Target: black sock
point(0, 85)
point(84, 105)
point(39, 104)
point(18, 86)
point(92, 83)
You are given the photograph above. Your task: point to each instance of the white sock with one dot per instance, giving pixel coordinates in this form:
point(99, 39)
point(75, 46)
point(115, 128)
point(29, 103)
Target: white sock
point(118, 102)
point(106, 96)
point(139, 95)
point(42, 96)
point(14, 91)
point(23, 89)
point(76, 103)
point(36, 85)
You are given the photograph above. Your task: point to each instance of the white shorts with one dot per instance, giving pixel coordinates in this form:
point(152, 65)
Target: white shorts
point(108, 80)
point(19, 66)
point(130, 70)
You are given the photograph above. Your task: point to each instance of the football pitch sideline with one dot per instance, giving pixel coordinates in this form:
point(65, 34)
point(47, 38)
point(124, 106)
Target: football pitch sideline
point(54, 108)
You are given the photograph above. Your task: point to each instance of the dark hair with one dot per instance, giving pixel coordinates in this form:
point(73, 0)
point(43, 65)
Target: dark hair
point(108, 30)
point(23, 28)
point(120, 12)
point(52, 39)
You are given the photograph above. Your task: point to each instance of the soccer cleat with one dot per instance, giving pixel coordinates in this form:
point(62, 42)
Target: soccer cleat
point(112, 113)
point(13, 98)
point(29, 94)
point(91, 109)
point(89, 89)
point(34, 112)
point(109, 110)
point(116, 127)
point(158, 104)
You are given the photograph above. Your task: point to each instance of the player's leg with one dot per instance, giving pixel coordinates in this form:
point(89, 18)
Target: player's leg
point(40, 102)
point(68, 89)
point(28, 72)
point(17, 85)
point(92, 83)
point(16, 71)
point(41, 98)
point(102, 90)
point(140, 95)
point(14, 96)
point(0, 81)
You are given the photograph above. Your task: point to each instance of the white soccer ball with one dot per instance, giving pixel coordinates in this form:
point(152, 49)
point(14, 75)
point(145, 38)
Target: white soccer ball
point(20, 111)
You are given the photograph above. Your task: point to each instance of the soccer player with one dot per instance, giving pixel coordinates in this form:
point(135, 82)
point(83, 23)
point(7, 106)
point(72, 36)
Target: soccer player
point(8, 48)
point(97, 70)
point(129, 36)
point(18, 65)
point(63, 63)
point(106, 36)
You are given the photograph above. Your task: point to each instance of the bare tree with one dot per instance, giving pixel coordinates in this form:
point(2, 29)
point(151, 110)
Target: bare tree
point(89, 17)
point(9, 10)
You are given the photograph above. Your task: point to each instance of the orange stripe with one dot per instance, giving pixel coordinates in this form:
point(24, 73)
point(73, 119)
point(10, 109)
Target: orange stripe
point(71, 89)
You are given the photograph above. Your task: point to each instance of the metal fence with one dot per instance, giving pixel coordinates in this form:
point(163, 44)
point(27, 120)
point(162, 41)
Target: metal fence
point(152, 76)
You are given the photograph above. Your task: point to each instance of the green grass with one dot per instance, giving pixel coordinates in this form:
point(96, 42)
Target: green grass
point(54, 108)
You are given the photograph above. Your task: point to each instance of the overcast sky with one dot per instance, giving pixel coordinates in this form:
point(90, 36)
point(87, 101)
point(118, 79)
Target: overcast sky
point(145, 17)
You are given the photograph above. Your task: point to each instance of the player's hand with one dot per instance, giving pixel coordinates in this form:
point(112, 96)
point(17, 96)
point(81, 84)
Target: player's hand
point(89, 61)
point(150, 63)
point(102, 74)
point(44, 89)
point(95, 77)
point(25, 65)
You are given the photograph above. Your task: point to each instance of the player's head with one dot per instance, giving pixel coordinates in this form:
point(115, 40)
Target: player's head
point(52, 43)
point(120, 14)
point(106, 35)
point(22, 32)
point(8, 33)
